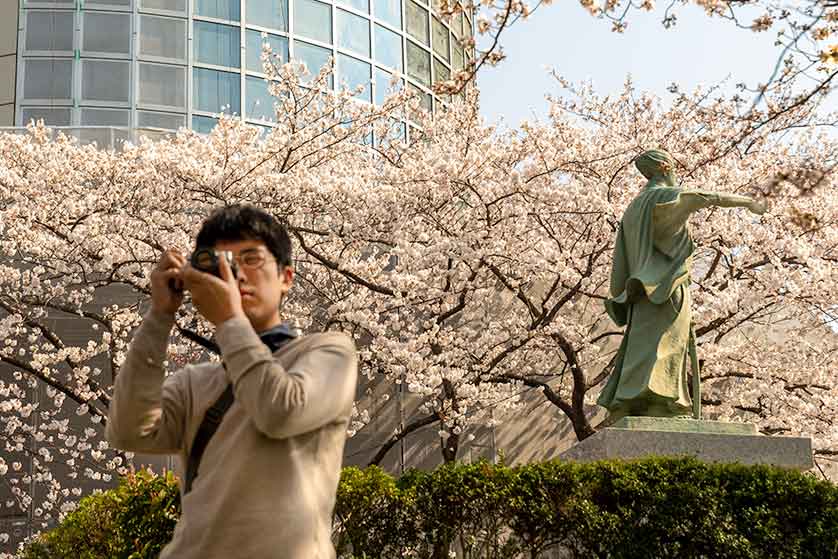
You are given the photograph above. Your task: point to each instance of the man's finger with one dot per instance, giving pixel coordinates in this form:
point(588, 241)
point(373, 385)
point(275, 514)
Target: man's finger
point(224, 268)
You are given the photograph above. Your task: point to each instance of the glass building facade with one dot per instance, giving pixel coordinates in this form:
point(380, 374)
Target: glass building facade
point(171, 63)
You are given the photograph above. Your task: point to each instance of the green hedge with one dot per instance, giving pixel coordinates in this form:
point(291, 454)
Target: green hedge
point(656, 508)
point(133, 521)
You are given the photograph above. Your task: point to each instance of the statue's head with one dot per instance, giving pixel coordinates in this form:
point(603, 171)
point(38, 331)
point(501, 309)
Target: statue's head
point(656, 164)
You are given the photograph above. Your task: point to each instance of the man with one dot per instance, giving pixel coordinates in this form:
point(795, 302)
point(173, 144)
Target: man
point(650, 293)
point(266, 483)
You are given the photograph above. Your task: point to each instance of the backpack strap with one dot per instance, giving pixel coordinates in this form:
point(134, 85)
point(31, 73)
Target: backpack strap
point(212, 419)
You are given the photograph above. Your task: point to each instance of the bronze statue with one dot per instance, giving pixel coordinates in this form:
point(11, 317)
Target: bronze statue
point(650, 295)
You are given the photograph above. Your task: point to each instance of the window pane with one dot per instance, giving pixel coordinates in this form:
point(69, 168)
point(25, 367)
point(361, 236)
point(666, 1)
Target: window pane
point(383, 89)
point(314, 57)
point(221, 9)
point(440, 40)
point(109, 33)
point(169, 5)
point(361, 5)
point(441, 73)
point(215, 91)
point(388, 48)
point(253, 49)
point(50, 116)
point(168, 121)
point(108, 3)
point(48, 79)
point(104, 117)
point(105, 80)
point(389, 11)
point(162, 85)
point(49, 31)
point(418, 63)
point(417, 22)
point(353, 33)
point(259, 101)
point(424, 98)
point(203, 124)
point(217, 44)
point(457, 56)
point(313, 19)
point(61, 3)
point(163, 37)
point(353, 73)
point(268, 13)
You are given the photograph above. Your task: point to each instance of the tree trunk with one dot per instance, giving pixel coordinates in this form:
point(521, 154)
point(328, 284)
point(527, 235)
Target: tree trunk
point(450, 446)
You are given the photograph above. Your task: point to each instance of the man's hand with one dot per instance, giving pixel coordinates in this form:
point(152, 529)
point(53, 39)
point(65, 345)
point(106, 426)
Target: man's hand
point(758, 207)
point(164, 299)
point(216, 299)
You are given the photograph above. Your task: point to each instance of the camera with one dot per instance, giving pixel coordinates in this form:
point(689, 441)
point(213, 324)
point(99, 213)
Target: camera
point(207, 260)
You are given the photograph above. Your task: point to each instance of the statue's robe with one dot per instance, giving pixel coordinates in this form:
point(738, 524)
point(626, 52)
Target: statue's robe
point(650, 296)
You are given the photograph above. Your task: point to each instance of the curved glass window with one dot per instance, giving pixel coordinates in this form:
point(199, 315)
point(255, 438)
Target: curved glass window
point(105, 117)
point(424, 98)
point(106, 33)
point(268, 13)
point(162, 85)
point(383, 87)
point(441, 72)
point(259, 103)
point(105, 81)
point(214, 91)
point(389, 11)
point(457, 56)
point(313, 19)
point(167, 121)
point(441, 40)
point(314, 57)
point(48, 79)
point(253, 49)
point(49, 31)
point(417, 22)
point(50, 115)
point(178, 6)
point(108, 3)
point(418, 64)
point(353, 32)
point(353, 73)
point(360, 5)
point(203, 124)
point(163, 37)
point(388, 48)
point(220, 9)
point(217, 44)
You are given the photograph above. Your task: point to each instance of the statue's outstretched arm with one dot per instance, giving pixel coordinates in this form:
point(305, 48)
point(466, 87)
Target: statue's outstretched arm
point(671, 216)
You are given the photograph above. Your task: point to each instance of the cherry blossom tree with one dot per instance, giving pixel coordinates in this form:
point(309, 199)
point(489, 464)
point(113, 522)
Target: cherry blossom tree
point(470, 264)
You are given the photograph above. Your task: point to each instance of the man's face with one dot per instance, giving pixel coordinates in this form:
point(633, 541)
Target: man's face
point(262, 283)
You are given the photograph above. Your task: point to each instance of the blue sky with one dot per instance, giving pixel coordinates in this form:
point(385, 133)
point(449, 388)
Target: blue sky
point(698, 50)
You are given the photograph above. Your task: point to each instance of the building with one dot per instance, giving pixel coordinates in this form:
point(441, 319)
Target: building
point(170, 63)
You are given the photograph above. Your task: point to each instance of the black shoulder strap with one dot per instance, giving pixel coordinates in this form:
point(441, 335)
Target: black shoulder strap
point(212, 419)
point(215, 413)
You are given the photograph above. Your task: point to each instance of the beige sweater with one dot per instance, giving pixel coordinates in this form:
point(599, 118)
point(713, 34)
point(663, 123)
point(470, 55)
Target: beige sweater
point(267, 481)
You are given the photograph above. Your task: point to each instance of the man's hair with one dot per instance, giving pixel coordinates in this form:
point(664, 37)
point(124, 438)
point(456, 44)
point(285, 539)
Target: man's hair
point(241, 222)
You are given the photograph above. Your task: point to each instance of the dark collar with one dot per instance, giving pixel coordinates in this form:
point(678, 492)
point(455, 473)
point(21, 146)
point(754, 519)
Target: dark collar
point(277, 336)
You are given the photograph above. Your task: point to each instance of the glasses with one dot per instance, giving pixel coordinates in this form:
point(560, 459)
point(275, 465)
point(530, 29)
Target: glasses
point(252, 259)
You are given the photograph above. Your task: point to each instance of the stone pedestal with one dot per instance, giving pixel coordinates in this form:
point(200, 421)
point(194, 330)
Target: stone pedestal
point(711, 441)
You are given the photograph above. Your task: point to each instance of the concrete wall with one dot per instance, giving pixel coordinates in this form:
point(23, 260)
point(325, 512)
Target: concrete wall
point(8, 61)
